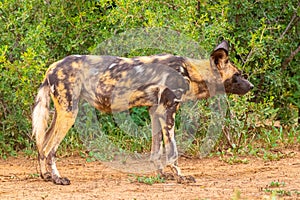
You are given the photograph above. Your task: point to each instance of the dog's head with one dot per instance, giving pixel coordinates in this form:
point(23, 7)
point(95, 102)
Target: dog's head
point(231, 77)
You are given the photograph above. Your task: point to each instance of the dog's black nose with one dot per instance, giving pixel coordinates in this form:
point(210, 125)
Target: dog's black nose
point(251, 86)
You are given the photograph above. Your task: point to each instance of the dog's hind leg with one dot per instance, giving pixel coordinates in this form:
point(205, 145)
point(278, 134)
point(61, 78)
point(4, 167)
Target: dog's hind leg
point(63, 121)
point(44, 170)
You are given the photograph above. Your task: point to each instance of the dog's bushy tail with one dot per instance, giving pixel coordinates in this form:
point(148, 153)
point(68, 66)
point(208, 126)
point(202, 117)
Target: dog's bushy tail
point(40, 114)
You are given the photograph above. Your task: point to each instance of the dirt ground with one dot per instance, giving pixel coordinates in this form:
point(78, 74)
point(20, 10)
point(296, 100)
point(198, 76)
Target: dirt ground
point(215, 178)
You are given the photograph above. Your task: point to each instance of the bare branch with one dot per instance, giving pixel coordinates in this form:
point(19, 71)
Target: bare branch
point(290, 58)
point(249, 55)
point(227, 136)
point(290, 24)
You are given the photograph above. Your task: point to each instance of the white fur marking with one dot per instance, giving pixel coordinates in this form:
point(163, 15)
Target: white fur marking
point(94, 71)
point(112, 65)
point(40, 114)
point(54, 169)
point(139, 69)
point(181, 69)
point(52, 89)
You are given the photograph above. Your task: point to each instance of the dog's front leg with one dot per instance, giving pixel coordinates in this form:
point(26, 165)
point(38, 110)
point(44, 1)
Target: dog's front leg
point(163, 132)
point(167, 122)
point(171, 148)
point(167, 110)
point(157, 139)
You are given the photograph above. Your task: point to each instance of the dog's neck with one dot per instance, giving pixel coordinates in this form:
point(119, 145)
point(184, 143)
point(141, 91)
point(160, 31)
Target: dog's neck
point(205, 82)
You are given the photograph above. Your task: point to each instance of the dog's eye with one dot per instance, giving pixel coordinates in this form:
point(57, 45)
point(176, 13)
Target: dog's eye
point(245, 76)
point(237, 74)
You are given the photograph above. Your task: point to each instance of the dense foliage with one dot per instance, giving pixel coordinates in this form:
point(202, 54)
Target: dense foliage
point(264, 37)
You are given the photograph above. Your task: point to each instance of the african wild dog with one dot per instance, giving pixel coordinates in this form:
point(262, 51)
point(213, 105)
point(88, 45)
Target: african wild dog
point(113, 84)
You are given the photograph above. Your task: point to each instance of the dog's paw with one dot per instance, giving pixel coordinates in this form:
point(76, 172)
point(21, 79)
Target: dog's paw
point(46, 176)
point(185, 179)
point(168, 176)
point(61, 181)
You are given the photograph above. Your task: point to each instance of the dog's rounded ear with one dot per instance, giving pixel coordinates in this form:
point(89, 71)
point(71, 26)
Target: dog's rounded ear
point(223, 45)
point(220, 52)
